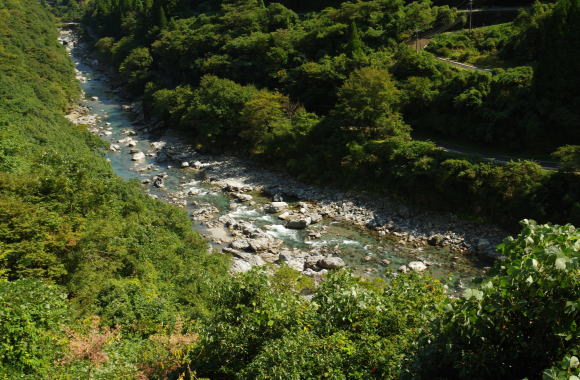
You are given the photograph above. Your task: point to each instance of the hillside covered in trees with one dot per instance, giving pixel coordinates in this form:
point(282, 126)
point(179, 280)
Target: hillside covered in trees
point(334, 96)
point(99, 281)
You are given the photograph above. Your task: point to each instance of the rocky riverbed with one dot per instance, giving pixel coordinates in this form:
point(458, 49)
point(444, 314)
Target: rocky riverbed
point(262, 216)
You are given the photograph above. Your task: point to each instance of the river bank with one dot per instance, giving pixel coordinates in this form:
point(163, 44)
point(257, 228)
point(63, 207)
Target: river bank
point(260, 215)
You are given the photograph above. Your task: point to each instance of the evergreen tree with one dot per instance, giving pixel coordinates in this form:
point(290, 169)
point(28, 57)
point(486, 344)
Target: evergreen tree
point(355, 44)
point(162, 21)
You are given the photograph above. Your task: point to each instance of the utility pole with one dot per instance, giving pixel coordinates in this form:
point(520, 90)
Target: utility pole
point(470, 13)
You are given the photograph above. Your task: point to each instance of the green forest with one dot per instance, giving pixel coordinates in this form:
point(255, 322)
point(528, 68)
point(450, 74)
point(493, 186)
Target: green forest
point(100, 281)
point(337, 95)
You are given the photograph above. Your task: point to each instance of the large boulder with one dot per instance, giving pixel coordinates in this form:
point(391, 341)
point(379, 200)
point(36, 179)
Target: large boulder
point(138, 156)
point(239, 266)
point(311, 262)
point(253, 260)
point(242, 197)
point(291, 260)
point(240, 244)
point(260, 244)
point(299, 223)
point(436, 240)
point(417, 266)
point(158, 144)
point(315, 218)
point(331, 263)
point(275, 207)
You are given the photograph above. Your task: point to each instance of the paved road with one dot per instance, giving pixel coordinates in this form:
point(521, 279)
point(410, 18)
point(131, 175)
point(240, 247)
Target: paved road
point(492, 9)
point(462, 65)
point(454, 148)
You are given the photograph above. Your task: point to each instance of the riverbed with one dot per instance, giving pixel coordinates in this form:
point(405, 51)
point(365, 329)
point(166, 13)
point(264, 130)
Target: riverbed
point(261, 216)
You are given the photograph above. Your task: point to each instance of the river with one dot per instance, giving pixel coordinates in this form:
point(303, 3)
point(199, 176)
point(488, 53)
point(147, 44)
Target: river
point(227, 218)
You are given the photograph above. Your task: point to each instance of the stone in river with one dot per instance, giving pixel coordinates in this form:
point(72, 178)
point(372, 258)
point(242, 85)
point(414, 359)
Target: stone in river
point(242, 197)
point(158, 182)
point(298, 223)
point(185, 164)
point(158, 144)
point(276, 207)
point(138, 156)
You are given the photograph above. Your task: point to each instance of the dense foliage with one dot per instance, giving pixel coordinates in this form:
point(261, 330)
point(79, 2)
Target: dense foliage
point(522, 319)
point(93, 243)
point(334, 95)
point(539, 102)
point(350, 329)
point(99, 281)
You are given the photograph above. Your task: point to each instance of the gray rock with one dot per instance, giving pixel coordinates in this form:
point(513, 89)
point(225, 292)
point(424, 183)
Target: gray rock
point(312, 262)
point(158, 182)
point(417, 266)
point(317, 276)
point(158, 144)
point(331, 263)
point(435, 240)
point(235, 186)
point(315, 218)
point(253, 260)
point(292, 261)
point(260, 244)
point(138, 156)
point(298, 223)
point(242, 197)
point(185, 164)
point(240, 244)
point(403, 269)
point(239, 266)
point(275, 207)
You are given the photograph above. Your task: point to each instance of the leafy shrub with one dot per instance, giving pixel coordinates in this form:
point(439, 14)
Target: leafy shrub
point(31, 313)
point(521, 320)
point(351, 329)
